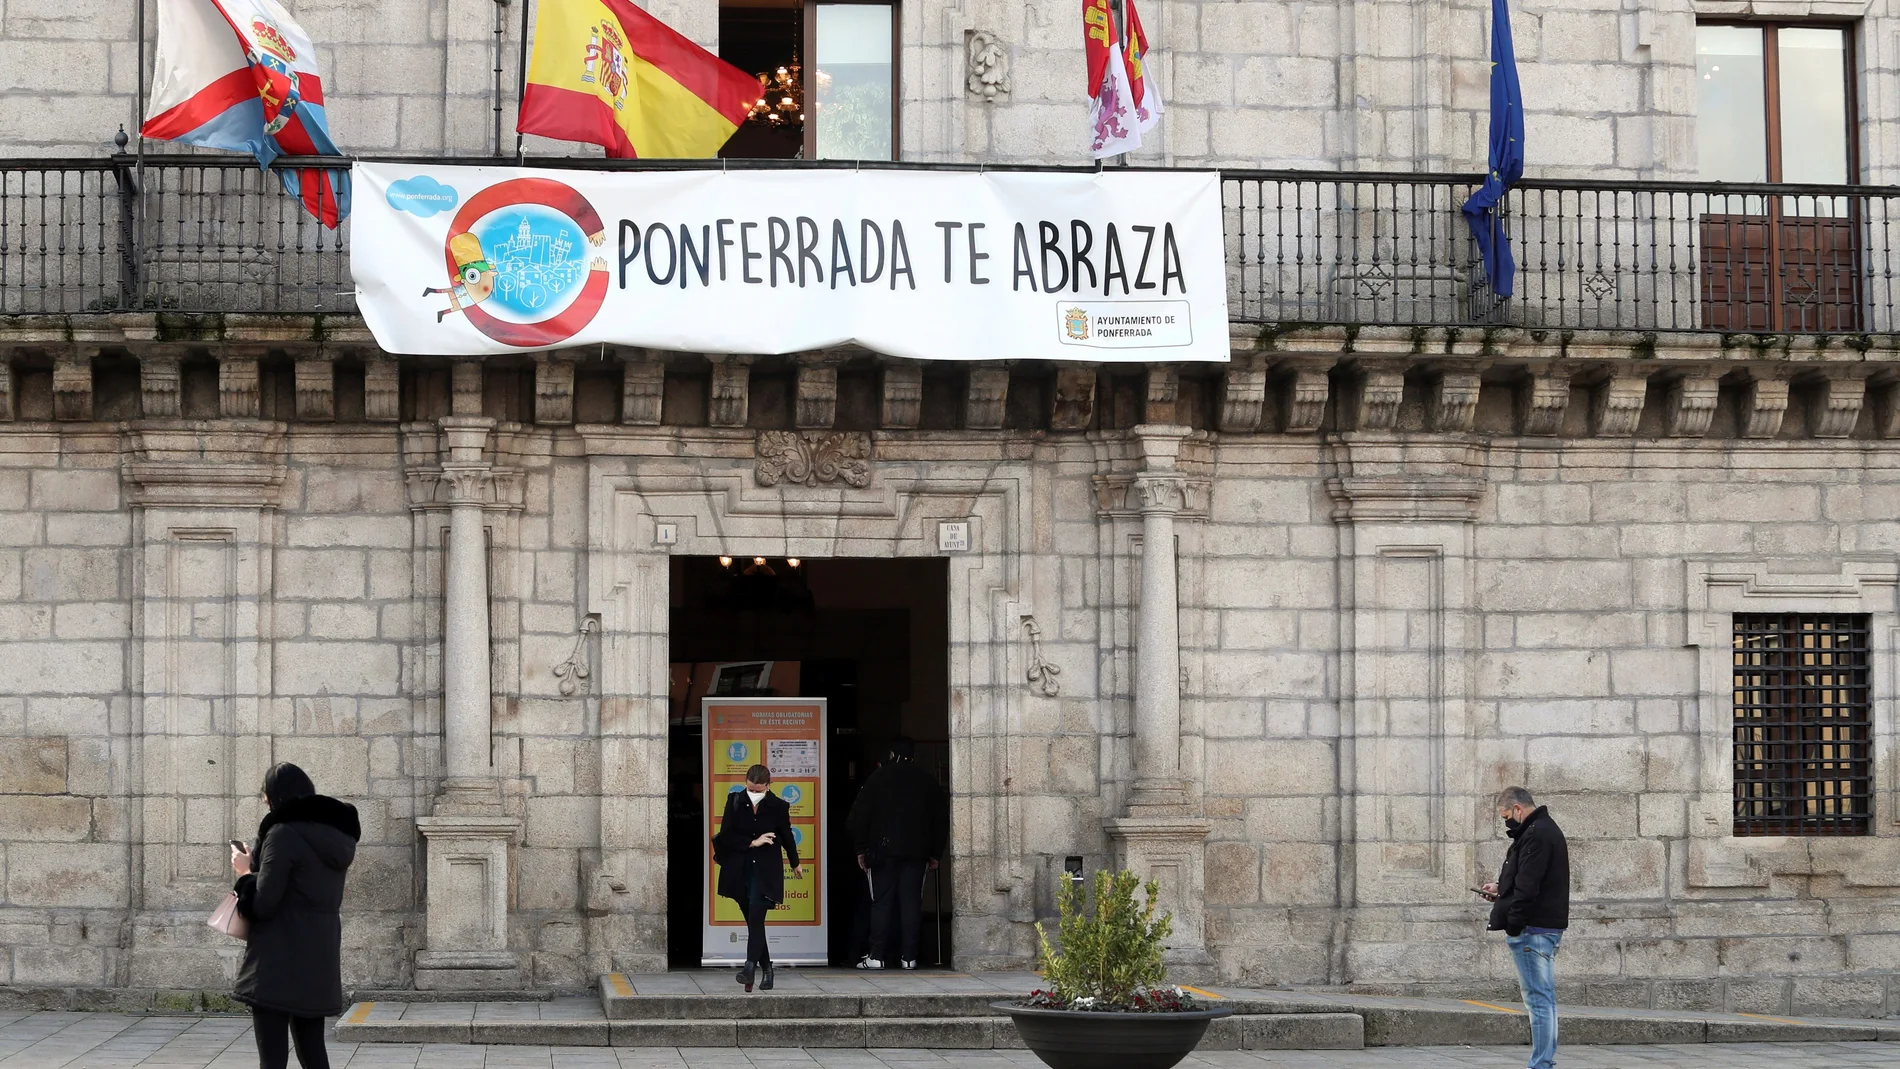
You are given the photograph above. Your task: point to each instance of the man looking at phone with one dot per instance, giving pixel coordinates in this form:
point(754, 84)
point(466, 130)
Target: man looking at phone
point(1531, 906)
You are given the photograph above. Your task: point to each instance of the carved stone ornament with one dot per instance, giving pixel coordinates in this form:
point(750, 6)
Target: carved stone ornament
point(988, 74)
point(1042, 674)
point(813, 459)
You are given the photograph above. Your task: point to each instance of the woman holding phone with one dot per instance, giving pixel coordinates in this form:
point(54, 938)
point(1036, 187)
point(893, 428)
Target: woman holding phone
point(757, 825)
point(290, 888)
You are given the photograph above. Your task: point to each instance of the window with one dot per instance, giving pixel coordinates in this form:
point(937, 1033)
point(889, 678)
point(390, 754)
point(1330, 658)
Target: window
point(1803, 724)
point(1775, 104)
point(827, 74)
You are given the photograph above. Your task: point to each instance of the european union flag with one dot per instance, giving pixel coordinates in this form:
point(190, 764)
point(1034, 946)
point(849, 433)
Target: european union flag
point(1484, 210)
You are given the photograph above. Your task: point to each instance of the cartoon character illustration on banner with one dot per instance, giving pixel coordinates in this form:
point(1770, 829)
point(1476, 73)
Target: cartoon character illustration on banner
point(276, 79)
point(525, 251)
point(474, 280)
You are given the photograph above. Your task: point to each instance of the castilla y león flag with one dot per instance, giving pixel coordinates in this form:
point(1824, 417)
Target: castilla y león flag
point(606, 72)
point(242, 75)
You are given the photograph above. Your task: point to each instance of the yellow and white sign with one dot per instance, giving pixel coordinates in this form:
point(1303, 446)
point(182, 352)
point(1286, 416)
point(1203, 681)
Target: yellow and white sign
point(787, 736)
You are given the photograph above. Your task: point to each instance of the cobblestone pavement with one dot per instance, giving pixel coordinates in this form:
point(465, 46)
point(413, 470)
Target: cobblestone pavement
point(111, 1041)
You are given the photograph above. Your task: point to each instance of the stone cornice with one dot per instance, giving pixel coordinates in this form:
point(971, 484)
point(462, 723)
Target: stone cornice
point(239, 465)
point(1405, 499)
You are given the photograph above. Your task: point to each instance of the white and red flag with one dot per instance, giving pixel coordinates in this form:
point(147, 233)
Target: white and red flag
point(1114, 126)
point(1145, 92)
point(242, 75)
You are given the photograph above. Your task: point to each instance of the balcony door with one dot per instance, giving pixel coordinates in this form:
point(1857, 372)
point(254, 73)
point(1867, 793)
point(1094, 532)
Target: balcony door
point(1775, 105)
point(827, 73)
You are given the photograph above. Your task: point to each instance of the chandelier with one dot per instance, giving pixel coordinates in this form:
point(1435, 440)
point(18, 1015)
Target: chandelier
point(781, 100)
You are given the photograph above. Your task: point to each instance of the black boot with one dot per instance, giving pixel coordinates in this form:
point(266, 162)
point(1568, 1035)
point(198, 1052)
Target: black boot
point(765, 982)
point(745, 976)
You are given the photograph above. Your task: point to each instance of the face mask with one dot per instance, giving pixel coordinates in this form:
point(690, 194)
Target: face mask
point(1512, 825)
point(756, 796)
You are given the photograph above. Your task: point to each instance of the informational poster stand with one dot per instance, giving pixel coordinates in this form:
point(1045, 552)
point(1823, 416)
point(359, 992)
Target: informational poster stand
point(787, 736)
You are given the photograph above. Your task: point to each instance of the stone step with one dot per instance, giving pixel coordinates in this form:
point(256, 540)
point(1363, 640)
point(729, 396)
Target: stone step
point(1292, 1031)
point(618, 1006)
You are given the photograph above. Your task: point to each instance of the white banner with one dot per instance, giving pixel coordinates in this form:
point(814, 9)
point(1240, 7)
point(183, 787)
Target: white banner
point(932, 265)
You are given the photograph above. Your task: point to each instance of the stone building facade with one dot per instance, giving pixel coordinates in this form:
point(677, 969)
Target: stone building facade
point(1274, 630)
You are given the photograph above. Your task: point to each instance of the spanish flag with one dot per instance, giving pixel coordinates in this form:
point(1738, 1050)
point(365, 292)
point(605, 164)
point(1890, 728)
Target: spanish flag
point(606, 72)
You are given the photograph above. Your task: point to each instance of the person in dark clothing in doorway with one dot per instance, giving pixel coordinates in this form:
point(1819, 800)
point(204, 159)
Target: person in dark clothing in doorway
point(757, 825)
point(290, 888)
point(1531, 906)
point(900, 823)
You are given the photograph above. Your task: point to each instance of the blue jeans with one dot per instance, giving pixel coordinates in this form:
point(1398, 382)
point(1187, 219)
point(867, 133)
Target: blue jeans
point(1534, 953)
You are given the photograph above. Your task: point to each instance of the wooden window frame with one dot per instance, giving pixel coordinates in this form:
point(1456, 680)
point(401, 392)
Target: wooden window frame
point(1771, 83)
point(809, 48)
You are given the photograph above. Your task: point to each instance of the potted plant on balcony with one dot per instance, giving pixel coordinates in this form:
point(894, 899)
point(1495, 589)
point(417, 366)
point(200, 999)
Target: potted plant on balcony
point(1107, 999)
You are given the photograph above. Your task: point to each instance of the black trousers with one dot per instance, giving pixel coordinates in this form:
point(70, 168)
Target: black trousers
point(755, 907)
point(275, 1031)
point(898, 884)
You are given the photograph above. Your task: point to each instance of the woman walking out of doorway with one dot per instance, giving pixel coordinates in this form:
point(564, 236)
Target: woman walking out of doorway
point(290, 887)
point(757, 824)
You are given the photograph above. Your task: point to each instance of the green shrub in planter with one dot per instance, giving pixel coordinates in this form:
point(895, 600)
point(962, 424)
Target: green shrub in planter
point(1111, 944)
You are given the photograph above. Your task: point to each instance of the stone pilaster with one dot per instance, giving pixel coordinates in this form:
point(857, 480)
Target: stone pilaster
point(203, 500)
point(469, 479)
point(468, 834)
point(1161, 836)
point(1405, 514)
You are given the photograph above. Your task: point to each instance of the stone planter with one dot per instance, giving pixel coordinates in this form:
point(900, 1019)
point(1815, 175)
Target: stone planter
point(1076, 1039)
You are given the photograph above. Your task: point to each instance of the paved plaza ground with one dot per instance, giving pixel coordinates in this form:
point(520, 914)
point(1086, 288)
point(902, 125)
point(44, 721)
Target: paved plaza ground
point(114, 1041)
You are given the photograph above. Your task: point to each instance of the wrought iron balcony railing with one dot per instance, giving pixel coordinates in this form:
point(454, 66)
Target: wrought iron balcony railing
point(198, 234)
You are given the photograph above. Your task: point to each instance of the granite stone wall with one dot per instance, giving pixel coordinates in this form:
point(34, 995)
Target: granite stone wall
point(1357, 84)
point(1381, 625)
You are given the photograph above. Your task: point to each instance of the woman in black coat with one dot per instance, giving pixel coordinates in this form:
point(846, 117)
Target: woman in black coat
point(290, 887)
point(756, 826)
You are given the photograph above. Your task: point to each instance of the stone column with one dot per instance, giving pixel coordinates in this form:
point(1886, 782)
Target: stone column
point(468, 835)
point(1163, 836)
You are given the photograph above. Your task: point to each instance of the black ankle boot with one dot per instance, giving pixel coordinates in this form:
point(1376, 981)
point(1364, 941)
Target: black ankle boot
point(765, 982)
point(745, 976)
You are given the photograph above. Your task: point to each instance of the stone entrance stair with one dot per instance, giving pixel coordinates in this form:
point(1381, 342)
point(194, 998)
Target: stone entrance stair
point(842, 1008)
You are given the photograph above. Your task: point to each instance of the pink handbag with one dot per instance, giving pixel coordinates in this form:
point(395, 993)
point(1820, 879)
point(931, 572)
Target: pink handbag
point(228, 920)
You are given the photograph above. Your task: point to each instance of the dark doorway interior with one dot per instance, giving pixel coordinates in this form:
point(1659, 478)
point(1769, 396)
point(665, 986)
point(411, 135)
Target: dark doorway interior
point(870, 635)
point(762, 36)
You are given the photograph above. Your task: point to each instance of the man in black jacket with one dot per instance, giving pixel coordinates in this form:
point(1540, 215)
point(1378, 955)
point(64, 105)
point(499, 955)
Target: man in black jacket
point(899, 824)
point(1531, 906)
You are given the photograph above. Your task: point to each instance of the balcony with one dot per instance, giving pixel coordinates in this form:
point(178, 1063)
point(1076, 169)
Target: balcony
point(196, 235)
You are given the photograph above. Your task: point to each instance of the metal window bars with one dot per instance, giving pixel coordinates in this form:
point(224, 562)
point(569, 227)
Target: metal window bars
point(208, 234)
point(1803, 725)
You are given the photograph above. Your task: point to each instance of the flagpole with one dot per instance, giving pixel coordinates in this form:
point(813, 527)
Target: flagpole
point(521, 84)
point(138, 172)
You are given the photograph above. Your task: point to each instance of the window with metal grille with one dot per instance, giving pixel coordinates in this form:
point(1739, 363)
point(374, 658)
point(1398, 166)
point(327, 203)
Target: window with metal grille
point(1803, 724)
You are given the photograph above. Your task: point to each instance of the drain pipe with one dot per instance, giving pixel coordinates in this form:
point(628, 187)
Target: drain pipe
point(501, 28)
